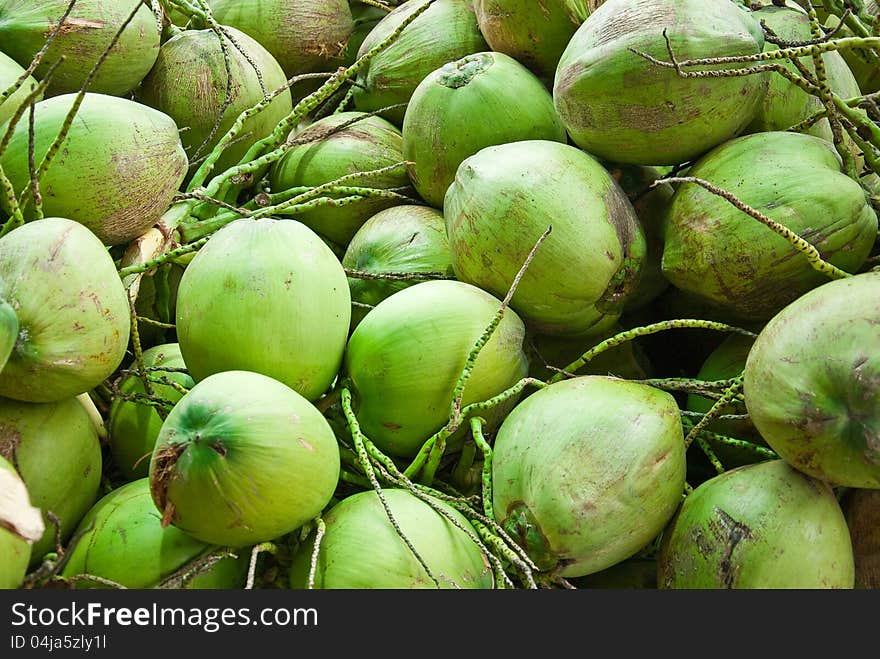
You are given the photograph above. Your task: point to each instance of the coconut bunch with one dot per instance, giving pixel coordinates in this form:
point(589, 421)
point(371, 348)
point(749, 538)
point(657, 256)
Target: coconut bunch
point(438, 294)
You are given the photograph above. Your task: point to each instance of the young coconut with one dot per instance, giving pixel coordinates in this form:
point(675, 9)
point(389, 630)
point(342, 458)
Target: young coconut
point(361, 549)
point(719, 253)
point(10, 71)
point(56, 451)
point(760, 526)
point(535, 37)
point(588, 471)
point(812, 382)
point(499, 99)
point(198, 55)
point(20, 525)
point(404, 239)
point(443, 33)
point(285, 314)
point(134, 426)
point(71, 307)
point(243, 459)
point(304, 36)
point(405, 357)
point(82, 39)
point(122, 540)
point(322, 155)
point(862, 511)
point(117, 169)
point(619, 106)
point(504, 197)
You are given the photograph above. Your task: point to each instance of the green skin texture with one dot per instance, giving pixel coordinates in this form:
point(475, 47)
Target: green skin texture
point(116, 171)
point(255, 460)
point(304, 35)
point(134, 427)
point(406, 355)
point(650, 205)
point(718, 253)
point(445, 32)
point(189, 83)
point(10, 71)
point(763, 526)
point(502, 101)
point(786, 104)
point(728, 361)
point(91, 26)
point(619, 106)
point(362, 550)
point(534, 36)
point(399, 239)
point(502, 201)
point(55, 448)
point(73, 318)
point(15, 552)
point(812, 382)
point(123, 541)
point(371, 143)
point(588, 471)
point(285, 315)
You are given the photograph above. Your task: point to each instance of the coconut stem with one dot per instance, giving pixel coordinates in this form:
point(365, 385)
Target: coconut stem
point(647, 330)
point(715, 410)
point(761, 451)
point(807, 249)
point(320, 530)
point(252, 566)
point(32, 168)
point(146, 266)
point(486, 450)
point(359, 440)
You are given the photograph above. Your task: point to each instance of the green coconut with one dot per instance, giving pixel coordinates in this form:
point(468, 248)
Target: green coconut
point(134, 426)
point(189, 83)
point(82, 39)
point(862, 511)
point(588, 471)
point(10, 72)
point(619, 106)
point(285, 314)
point(20, 525)
point(444, 32)
point(55, 448)
point(403, 239)
point(8, 332)
point(505, 197)
point(650, 203)
point(405, 357)
point(72, 311)
point(304, 36)
point(322, 156)
point(812, 382)
point(116, 172)
point(717, 252)
point(534, 36)
point(362, 550)
point(502, 102)
point(122, 540)
point(728, 361)
point(764, 526)
point(785, 104)
point(243, 459)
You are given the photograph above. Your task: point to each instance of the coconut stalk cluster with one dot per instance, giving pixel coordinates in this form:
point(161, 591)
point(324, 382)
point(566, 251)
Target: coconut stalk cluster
point(439, 294)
